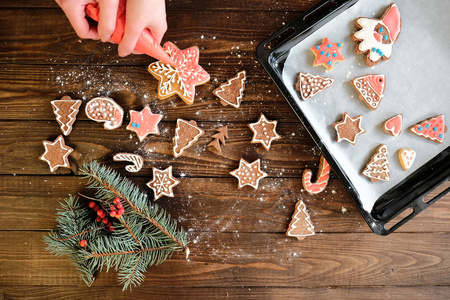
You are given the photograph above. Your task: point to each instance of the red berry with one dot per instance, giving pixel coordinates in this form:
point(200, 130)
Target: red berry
point(95, 208)
point(91, 204)
point(117, 200)
point(111, 229)
point(113, 213)
point(121, 211)
point(105, 220)
point(119, 206)
point(99, 212)
point(98, 219)
point(109, 224)
point(112, 207)
point(83, 243)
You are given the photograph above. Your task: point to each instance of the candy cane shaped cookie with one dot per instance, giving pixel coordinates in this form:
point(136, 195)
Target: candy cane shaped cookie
point(322, 178)
point(136, 159)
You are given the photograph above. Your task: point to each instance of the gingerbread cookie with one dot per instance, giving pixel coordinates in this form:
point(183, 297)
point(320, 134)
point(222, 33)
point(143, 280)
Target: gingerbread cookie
point(378, 167)
point(406, 157)
point(56, 154)
point(327, 54)
point(144, 122)
point(376, 37)
point(349, 128)
point(136, 159)
point(219, 138)
point(186, 134)
point(432, 129)
point(370, 89)
point(182, 78)
point(394, 125)
point(66, 111)
point(264, 131)
point(249, 173)
point(310, 85)
point(300, 225)
point(322, 178)
point(232, 91)
point(163, 182)
point(105, 109)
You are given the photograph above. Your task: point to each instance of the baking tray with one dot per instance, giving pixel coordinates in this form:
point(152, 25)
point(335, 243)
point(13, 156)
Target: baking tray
point(409, 193)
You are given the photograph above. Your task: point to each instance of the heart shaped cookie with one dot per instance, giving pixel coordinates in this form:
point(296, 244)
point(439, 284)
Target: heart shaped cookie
point(406, 157)
point(394, 125)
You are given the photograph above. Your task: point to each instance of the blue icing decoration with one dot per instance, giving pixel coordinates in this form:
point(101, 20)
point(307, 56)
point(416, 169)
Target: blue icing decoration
point(329, 45)
point(374, 49)
point(138, 125)
point(322, 52)
point(318, 47)
point(427, 126)
point(339, 45)
point(334, 54)
point(133, 125)
point(329, 63)
point(440, 136)
point(328, 55)
point(385, 37)
point(435, 129)
point(420, 128)
point(380, 30)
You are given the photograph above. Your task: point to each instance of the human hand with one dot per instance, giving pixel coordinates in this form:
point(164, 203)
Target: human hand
point(75, 12)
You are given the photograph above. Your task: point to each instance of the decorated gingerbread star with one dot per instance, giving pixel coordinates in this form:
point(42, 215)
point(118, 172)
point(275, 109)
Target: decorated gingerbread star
point(163, 182)
point(144, 122)
point(349, 128)
point(264, 131)
point(249, 174)
point(56, 154)
point(181, 79)
point(327, 54)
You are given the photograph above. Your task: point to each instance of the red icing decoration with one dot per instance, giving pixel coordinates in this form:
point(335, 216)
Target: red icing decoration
point(432, 129)
point(392, 21)
point(376, 82)
point(394, 125)
point(327, 54)
point(144, 122)
point(146, 42)
point(322, 178)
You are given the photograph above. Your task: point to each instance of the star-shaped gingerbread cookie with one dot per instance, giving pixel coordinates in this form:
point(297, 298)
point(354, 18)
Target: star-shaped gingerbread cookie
point(249, 174)
point(349, 128)
point(183, 77)
point(163, 182)
point(327, 54)
point(264, 131)
point(144, 122)
point(56, 154)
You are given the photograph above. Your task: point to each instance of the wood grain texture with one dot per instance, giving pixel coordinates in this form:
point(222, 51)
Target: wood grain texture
point(163, 293)
point(248, 259)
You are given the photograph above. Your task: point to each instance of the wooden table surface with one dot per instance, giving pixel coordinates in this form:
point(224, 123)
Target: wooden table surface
point(237, 237)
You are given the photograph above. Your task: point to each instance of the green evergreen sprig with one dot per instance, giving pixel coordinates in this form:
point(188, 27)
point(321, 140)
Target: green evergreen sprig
point(144, 235)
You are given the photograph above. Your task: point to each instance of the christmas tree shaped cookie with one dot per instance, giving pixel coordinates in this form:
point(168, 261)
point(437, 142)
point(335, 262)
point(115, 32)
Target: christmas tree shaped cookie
point(370, 89)
point(378, 167)
point(182, 78)
point(219, 138)
point(301, 225)
point(310, 85)
point(186, 134)
point(232, 91)
point(66, 111)
point(432, 129)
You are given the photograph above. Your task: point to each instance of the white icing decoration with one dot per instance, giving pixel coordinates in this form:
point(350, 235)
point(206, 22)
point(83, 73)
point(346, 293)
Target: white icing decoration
point(368, 40)
point(173, 77)
point(380, 160)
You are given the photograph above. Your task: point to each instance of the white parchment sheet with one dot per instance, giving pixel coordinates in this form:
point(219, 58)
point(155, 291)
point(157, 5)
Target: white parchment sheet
point(417, 85)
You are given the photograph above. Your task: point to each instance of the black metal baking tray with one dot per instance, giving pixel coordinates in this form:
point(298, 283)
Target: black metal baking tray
point(408, 194)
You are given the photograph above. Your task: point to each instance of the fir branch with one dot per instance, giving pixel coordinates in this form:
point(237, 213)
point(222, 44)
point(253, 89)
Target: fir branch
point(93, 254)
point(83, 232)
point(110, 184)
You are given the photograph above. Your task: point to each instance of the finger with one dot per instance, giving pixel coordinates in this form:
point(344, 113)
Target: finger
point(77, 19)
point(158, 30)
point(130, 37)
point(107, 19)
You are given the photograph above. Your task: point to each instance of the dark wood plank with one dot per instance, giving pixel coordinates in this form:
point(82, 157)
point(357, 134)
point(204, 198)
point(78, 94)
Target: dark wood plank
point(248, 259)
point(283, 5)
point(33, 88)
point(79, 292)
point(210, 205)
point(23, 140)
point(224, 38)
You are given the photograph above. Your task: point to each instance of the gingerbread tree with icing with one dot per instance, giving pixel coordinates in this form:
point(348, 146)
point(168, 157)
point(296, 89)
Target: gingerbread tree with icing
point(301, 225)
point(378, 167)
point(432, 129)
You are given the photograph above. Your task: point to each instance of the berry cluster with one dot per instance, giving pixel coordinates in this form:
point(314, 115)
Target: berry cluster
point(117, 210)
point(101, 215)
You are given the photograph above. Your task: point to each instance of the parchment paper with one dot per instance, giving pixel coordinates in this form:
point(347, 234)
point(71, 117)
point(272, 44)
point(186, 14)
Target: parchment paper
point(417, 86)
